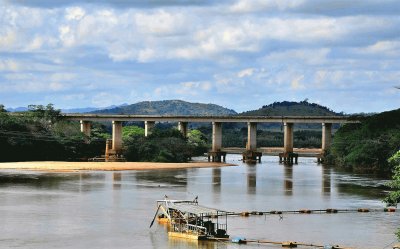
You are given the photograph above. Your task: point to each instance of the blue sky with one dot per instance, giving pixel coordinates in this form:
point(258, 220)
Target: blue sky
point(239, 54)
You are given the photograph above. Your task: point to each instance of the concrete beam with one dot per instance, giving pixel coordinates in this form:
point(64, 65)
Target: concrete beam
point(216, 136)
point(326, 136)
point(183, 128)
point(288, 137)
point(116, 136)
point(86, 127)
point(251, 136)
point(208, 119)
point(148, 127)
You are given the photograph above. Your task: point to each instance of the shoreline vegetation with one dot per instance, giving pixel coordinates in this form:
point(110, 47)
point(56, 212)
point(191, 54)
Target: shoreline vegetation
point(57, 166)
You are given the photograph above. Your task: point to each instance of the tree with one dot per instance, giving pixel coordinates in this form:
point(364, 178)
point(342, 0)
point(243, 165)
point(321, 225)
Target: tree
point(394, 196)
point(131, 131)
point(2, 108)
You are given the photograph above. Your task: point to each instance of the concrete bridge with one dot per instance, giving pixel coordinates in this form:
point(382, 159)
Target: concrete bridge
point(251, 121)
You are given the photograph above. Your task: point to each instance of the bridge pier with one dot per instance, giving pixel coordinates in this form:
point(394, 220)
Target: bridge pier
point(116, 136)
point(183, 128)
point(288, 156)
point(148, 127)
point(216, 154)
point(326, 136)
point(86, 127)
point(288, 137)
point(251, 153)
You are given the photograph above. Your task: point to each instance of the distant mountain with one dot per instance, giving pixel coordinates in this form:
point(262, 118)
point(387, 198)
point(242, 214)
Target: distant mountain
point(169, 107)
point(289, 108)
point(72, 110)
point(17, 109)
point(89, 109)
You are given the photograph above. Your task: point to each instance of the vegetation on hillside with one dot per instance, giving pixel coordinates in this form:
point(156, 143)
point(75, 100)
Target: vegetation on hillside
point(367, 145)
point(291, 108)
point(394, 196)
point(169, 107)
point(42, 134)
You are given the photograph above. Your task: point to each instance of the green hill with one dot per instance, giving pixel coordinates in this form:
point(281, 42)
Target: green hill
point(169, 107)
point(288, 108)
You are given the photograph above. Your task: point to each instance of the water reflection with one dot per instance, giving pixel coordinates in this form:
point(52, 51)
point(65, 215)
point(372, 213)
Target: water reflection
point(165, 177)
point(117, 177)
point(251, 178)
point(326, 181)
point(216, 180)
point(288, 180)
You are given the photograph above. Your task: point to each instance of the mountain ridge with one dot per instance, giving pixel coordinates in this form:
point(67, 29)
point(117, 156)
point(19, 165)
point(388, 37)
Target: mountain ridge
point(169, 107)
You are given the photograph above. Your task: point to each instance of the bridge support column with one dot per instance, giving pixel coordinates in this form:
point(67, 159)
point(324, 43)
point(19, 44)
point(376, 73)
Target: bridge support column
point(326, 136)
point(183, 128)
point(251, 136)
point(148, 127)
point(86, 127)
point(251, 154)
point(216, 136)
point(116, 136)
point(288, 137)
point(216, 154)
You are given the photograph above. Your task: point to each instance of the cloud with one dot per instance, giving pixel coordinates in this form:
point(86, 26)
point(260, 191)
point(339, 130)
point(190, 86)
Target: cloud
point(246, 72)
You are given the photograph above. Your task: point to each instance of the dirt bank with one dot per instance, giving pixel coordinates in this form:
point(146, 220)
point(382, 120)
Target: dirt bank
point(106, 166)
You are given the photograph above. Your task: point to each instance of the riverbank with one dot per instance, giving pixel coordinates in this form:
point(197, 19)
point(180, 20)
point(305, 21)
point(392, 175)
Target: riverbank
point(105, 166)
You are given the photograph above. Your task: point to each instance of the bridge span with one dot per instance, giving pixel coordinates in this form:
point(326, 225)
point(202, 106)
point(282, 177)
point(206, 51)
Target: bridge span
point(252, 121)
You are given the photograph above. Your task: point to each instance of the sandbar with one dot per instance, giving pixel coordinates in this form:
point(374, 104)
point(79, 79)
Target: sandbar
point(105, 166)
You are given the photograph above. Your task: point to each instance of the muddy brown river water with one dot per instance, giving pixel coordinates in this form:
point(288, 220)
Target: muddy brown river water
point(114, 209)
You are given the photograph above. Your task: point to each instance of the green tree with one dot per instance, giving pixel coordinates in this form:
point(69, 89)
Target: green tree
point(394, 196)
point(2, 108)
point(132, 131)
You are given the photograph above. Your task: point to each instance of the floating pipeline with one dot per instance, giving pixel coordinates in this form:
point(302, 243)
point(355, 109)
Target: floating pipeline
point(286, 244)
point(311, 211)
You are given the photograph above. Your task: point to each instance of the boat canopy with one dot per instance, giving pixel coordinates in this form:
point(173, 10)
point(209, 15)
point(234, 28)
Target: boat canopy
point(194, 208)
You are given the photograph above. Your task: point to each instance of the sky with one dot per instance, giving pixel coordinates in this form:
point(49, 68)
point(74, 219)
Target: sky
point(240, 54)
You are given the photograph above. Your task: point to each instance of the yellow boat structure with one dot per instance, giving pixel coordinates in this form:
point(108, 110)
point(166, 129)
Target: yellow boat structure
point(189, 220)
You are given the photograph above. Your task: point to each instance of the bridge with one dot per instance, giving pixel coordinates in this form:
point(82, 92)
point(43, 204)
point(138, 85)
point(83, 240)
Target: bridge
point(288, 122)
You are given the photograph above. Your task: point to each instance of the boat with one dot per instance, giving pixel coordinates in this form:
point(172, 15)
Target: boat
point(187, 219)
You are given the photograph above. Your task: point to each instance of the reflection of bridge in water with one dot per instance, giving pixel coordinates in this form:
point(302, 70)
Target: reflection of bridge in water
point(252, 121)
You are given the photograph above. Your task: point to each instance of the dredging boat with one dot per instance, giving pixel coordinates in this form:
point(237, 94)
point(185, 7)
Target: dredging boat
point(190, 220)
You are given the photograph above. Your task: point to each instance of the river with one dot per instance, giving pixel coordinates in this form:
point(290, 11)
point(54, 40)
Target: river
point(114, 209)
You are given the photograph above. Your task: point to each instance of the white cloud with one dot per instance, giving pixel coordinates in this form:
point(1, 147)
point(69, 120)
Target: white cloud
point(296, 83)
point(74, 13)
point(246, 72)
point(9, 65)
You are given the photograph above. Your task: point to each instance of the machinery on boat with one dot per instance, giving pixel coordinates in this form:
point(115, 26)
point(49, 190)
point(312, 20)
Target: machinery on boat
point(190, 220)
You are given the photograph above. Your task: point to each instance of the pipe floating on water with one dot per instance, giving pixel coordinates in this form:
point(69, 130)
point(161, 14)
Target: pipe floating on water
point(310, 211)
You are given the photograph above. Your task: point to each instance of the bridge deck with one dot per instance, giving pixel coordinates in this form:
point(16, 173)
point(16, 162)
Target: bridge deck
point(222, 119)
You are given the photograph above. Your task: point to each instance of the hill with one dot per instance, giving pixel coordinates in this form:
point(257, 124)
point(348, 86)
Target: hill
point(288, 108)
point(169, 107)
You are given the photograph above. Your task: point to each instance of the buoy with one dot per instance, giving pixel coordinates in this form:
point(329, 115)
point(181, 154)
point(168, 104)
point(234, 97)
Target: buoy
point(239, 240)
point(331, 210)
point(244, 214)
point(290, 244)
point(389, 210)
